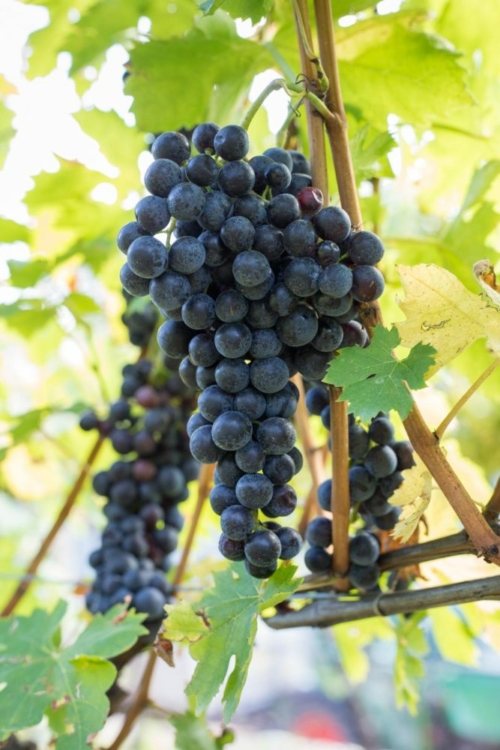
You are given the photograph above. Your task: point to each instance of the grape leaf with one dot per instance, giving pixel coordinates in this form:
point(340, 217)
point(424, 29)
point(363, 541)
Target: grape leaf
point(374, 380)
point(69, 685)
point(414, 495)
point(192, 733)
point(441, 312)
point(188, 64)
point(223, 625)
point(416, 76)
point(408, 667)
point(253, 9)
point(11, 231)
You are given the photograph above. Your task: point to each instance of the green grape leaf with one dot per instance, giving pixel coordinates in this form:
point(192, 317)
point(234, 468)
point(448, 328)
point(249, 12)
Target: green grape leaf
point(453, 636)
point(188, 64)
point(27, 273)
point(81, 305)
point(369, 150)
point(253, 9)
point(408, 667)
point(46, 42)
point(415, 75)
point(115, 140)
point(374, 380)
point(11, 231)
point(193, 733)
point(480, 183)
point(67, 684)
point(223, 625)
point(28, 319)
point(349, 7)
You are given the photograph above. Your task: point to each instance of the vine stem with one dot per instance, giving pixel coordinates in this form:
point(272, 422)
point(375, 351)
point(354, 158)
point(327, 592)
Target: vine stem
point(486, 542)
point(492, 510)
point(335, 610)
point(424, 442)
point(311, 454)
point(288, 87)
point(61, 518)
point(439, 432)
point(340, 460)
point(204, 482)
point(139, 701)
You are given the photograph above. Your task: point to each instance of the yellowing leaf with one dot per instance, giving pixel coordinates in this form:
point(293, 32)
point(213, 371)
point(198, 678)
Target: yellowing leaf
point(441, 312)
point(414, 495)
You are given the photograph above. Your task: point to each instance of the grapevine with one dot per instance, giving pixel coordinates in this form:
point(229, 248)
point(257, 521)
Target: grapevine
point(266, 395)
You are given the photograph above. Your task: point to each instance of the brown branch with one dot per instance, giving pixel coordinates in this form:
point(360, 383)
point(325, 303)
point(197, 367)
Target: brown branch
point(139, 702)
point(439, 432)
point(426, 445)
point(340, 501)
point(61, 518)
point(340, 460)
point(333, 611)
point(315, 131)
point(204, 482)
point(336, 126)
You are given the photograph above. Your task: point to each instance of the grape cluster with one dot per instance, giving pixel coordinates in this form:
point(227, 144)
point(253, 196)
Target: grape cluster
point(377, 461)
point(146, 428)
point(260, 282)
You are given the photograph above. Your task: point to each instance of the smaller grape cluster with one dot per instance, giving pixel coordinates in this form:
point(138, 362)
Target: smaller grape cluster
point(143, 488)
point(377, 461)
point(140, 323)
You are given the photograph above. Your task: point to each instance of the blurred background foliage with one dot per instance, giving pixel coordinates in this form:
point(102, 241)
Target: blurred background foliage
point(84, 88)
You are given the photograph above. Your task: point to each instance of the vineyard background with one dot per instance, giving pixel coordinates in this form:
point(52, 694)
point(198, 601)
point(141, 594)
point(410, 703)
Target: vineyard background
point(79, 105)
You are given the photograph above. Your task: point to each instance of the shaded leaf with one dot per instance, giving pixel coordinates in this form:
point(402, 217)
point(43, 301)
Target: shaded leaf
point(374, 380)
point(189, 65)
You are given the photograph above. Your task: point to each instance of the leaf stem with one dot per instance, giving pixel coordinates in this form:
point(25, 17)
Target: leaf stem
point(61, 518)
point(439, 432)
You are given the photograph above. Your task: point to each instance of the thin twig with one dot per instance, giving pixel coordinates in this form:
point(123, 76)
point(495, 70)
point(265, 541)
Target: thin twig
point(492, 509)
point(326, 612)
point(439, 432)
point(61, 518)
point(204, 482)
point(139, 702)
